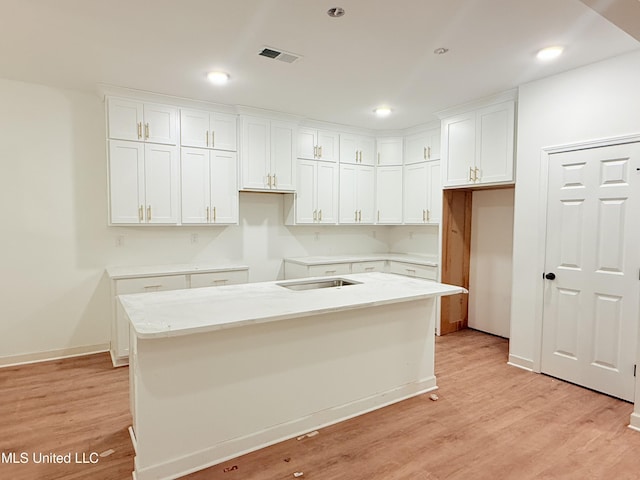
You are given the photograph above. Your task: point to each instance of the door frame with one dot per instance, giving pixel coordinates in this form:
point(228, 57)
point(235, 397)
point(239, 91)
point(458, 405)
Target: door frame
point(545, 156)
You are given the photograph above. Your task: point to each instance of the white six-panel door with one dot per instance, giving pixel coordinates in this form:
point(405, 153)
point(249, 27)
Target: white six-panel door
point(591, 307)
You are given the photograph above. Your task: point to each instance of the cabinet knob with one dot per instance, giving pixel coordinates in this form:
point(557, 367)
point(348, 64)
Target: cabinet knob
point(550, 276)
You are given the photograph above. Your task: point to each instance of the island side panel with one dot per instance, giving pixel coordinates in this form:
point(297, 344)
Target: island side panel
point(201, 399)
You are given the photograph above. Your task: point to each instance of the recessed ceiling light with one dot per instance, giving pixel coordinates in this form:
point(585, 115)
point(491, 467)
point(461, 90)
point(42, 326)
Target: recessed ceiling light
point(335, 12)
point(382, 111)
point(549, 53)
point(218, 78)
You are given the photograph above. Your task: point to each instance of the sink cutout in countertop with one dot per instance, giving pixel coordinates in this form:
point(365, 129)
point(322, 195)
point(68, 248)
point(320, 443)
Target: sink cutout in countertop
point(316, 284)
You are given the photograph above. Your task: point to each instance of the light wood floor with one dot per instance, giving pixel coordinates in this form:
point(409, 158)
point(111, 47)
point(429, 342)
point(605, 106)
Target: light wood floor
point(492, 421)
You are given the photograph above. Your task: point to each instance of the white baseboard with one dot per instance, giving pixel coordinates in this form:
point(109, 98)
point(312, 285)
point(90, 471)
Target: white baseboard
point(220, 453)
point(118, 361)
point(520, 362)
point(13, 360)
point(634, 422)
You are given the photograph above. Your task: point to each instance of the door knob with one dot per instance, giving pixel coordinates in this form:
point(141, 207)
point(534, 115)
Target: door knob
point(550, 276)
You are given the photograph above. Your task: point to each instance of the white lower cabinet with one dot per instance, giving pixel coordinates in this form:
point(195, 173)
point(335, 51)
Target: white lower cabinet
point(209, 186)
point(357, 194)
point(389, 195)
point(422, 193)
point(366, 267)
point(316, 200)
point(123, 284)
point(143, 183)
point(413, 270)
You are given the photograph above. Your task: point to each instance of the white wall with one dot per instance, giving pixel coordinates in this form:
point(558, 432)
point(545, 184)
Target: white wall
point(417, 239)
point(55, 241)
point(491, 261)
point(598, 101)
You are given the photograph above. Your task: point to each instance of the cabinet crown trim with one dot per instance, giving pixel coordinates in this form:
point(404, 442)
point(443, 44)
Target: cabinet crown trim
point(509, 95)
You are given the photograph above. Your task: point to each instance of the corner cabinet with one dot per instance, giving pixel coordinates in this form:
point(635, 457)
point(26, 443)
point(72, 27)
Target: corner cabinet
point(478, 147)
point(267, 158)
point(357, 194)
point(389, 195)
point(422, 193)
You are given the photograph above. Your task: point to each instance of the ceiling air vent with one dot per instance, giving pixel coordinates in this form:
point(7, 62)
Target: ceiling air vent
point(280, 55)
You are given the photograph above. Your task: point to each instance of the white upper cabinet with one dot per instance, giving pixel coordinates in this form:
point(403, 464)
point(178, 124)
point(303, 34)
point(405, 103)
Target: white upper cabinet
point(143, 183)
point(422, 193)
point(317, 192)
point(267, 154)
point(389, 150)
point(357, 149)
point(209, 187)
point(389, 195)
point(142, 122)
point(318, 145)
point(357, 194)
point(199, 128)
point(421, 147)
point(478, 148)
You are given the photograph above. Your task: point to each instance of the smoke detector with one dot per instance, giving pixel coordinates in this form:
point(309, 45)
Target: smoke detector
point(281, 55)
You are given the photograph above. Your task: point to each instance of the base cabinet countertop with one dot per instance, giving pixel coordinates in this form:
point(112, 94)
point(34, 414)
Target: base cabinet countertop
point(219, 372)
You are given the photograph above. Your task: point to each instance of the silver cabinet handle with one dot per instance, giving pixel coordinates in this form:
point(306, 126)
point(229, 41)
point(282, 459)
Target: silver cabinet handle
point(213, 138)
point(206, 136)
point(360, 216)
point(152, 287)
point(329, 272)
point(424, 154)
point(356, 156)
point(428, 153)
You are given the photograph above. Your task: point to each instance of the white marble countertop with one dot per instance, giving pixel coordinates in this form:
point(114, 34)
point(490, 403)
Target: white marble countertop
point(183, 312)
point(428, 261)
point(116, 273)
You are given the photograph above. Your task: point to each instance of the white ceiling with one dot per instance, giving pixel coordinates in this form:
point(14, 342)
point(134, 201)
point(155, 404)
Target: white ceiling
point(381, 51)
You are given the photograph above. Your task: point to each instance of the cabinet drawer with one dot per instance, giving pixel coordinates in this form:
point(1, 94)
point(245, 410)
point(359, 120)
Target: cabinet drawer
point(331, 269)
point(214, 279)
point(413, 270)
point(364, 267)
point(150, 284)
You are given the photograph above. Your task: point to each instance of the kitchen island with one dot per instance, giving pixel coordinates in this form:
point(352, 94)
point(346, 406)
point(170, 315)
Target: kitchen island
point(218, 372)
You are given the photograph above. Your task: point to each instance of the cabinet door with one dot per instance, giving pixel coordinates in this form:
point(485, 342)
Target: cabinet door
point(328, 146)
point(194, 168)
point(126, 181)
point(389, 151)
point(459, 149)
point(161, 180)
point(366, 267)
point(348, 194)
point(125, 118)
point(224, 187)
point(415, 192)
point(307, 141)
point(327, 192)
point(255, 153)
point(495, 131)
point(389, 195)
point(194, 128)
point(283, 163)
point(434, 192)
point(215, 279)
point(433, 139)
point(367, 148)
point(366, 194)
point(306, 210)
point(416, 148)
point(349, 149)
point(224, 131)
point(160, 124)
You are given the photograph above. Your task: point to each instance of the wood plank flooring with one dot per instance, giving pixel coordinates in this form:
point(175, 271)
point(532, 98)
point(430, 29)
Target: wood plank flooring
point(492, 421)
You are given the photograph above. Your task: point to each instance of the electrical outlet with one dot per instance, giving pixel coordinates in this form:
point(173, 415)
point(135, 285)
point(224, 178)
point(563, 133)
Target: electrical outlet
point(194, 238)
point(120, 241)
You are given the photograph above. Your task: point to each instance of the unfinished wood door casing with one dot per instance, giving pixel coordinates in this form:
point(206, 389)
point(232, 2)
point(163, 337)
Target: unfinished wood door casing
point(456, 253)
